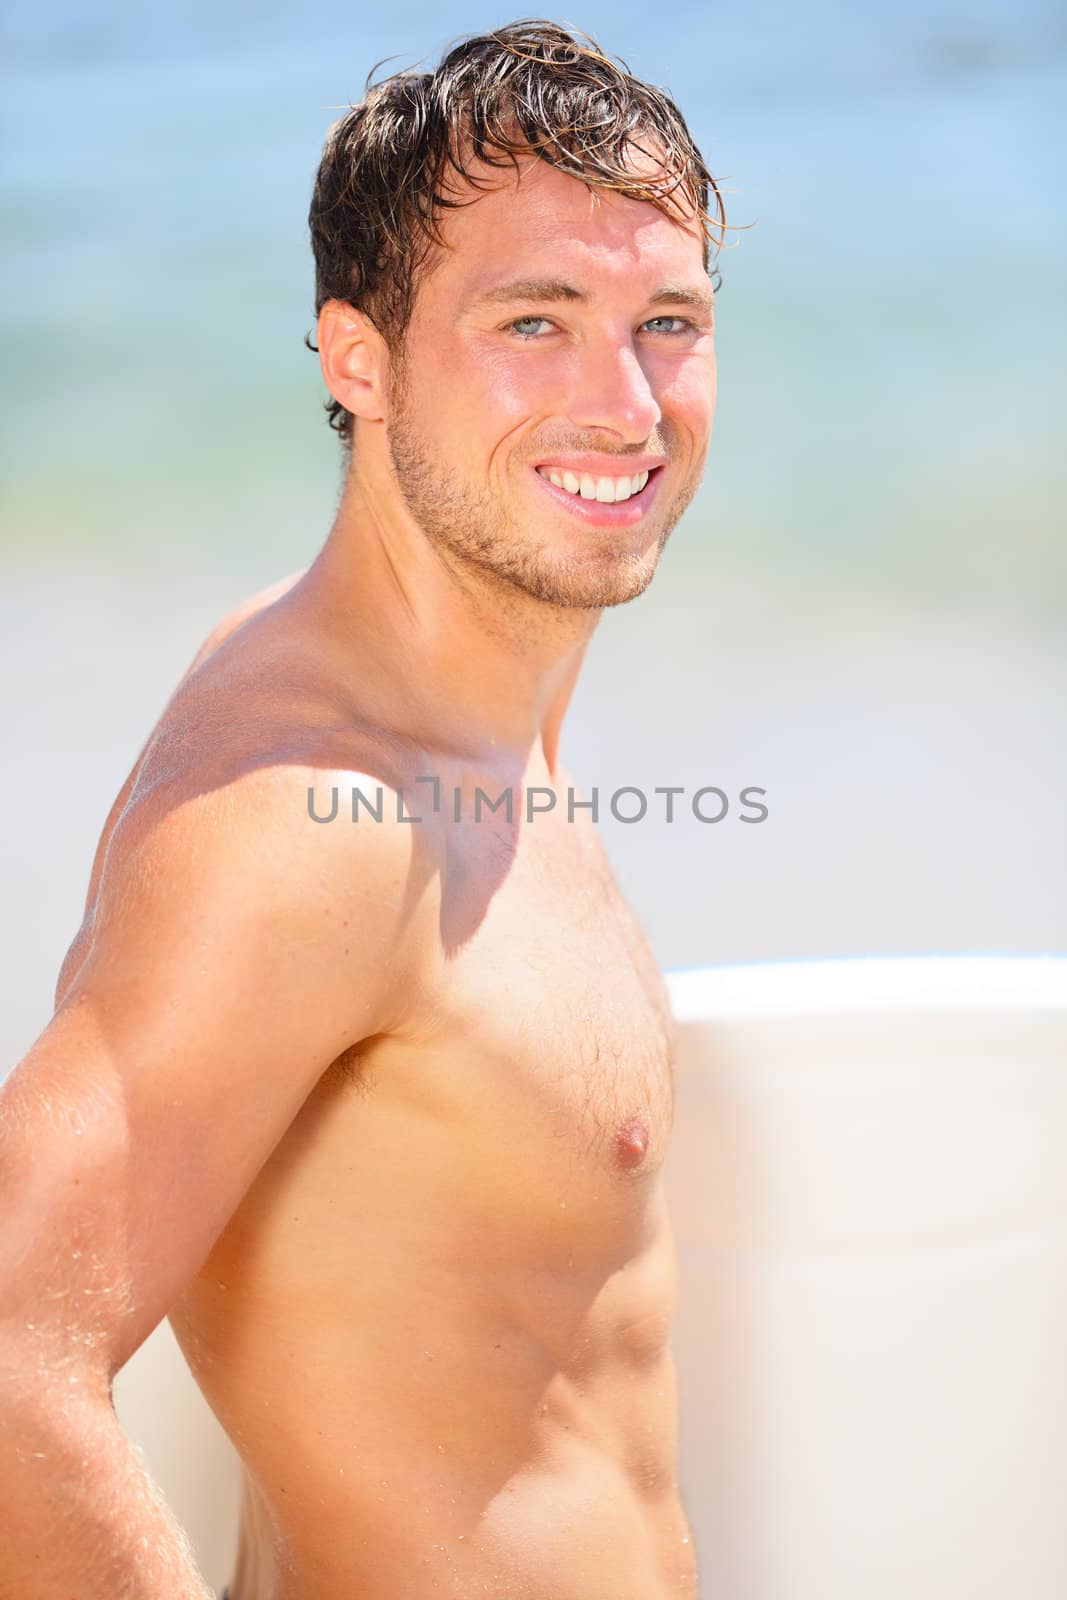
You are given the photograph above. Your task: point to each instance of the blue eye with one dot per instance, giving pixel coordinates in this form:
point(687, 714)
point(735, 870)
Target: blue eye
point(683, 320)
point(518, 320)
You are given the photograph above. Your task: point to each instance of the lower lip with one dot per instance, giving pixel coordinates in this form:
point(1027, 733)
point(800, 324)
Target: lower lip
point(603, 513)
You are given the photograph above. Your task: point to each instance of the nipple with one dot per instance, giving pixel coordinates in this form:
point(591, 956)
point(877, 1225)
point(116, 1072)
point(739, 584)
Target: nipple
point(631, 1142)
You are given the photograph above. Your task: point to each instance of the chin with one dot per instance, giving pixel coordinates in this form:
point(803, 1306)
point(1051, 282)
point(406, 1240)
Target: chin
point(596, 587)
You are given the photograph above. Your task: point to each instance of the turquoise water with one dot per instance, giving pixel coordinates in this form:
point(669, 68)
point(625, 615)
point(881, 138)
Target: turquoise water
point(891, 326)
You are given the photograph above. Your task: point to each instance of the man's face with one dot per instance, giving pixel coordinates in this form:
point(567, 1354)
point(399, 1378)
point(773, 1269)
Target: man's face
point(607, 382)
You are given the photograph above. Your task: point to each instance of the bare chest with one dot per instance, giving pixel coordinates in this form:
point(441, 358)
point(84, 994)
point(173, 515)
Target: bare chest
point(551, 1001)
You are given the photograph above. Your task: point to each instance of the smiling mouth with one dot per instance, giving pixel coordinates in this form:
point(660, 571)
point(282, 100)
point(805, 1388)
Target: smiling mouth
point(608, 491)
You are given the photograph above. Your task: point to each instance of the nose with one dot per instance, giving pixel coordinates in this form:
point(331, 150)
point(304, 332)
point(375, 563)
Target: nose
point(612, 391)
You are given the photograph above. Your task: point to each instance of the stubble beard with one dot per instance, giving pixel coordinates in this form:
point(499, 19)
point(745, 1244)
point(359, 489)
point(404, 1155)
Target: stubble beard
point(475, 529)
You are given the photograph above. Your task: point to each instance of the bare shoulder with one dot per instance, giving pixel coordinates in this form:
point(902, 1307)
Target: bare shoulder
point(261, 601)
point(219, 840)
point(268, 719)
point(249, 609)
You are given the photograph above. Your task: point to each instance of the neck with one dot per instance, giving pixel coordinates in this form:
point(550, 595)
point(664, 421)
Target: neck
point(460, 658)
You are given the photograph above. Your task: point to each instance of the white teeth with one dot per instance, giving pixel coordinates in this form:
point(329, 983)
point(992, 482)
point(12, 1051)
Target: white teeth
point(607, 490)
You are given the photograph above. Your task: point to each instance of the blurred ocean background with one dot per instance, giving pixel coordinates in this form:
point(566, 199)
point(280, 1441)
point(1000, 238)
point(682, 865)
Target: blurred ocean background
point(863, 612)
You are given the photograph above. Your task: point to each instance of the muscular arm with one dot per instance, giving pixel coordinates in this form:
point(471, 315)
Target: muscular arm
point(215, 993)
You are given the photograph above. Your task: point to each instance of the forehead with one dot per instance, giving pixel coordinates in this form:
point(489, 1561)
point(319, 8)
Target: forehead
point(541, 219)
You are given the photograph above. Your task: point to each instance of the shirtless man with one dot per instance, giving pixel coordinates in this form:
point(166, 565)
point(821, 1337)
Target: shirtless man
point(376, 1111)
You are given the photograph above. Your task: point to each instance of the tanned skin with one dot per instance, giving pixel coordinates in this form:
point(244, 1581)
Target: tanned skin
point(376, 1112)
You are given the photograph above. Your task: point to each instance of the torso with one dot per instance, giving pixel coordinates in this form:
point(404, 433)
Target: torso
point(437, 1327)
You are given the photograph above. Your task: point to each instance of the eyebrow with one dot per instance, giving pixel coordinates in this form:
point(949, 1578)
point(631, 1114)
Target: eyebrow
point(546, 289)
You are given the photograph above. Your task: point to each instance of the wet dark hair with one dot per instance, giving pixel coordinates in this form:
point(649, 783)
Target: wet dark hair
point(530, 87)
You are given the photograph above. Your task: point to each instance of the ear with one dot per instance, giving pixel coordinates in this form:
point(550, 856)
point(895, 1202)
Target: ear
point(354, 359)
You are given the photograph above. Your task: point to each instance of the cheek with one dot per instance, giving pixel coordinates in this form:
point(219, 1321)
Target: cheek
point(466, 415)
point(688, 392)
point(508, 383)
point(512, 385)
